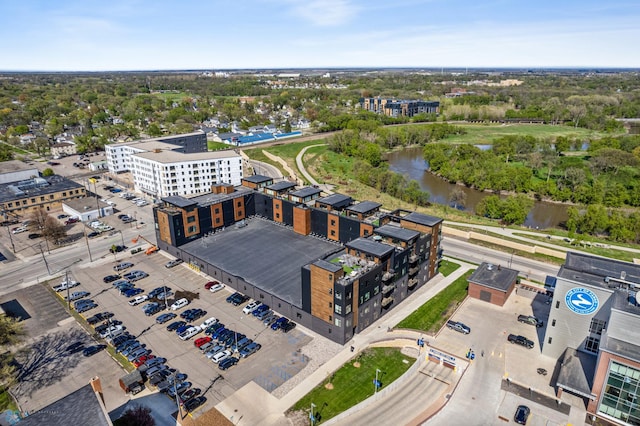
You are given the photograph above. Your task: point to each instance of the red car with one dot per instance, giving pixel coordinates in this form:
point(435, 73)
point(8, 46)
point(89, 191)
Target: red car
point(144, 358)
point(201, 341)
point(71, 220)
point(210, 284)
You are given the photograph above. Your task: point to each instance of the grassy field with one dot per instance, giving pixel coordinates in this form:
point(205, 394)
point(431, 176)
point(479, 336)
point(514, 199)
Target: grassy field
point(432, 315)
point(484, 134)
point(351, 385)
point(6, 402)
point(447, 267)
point(214, 146)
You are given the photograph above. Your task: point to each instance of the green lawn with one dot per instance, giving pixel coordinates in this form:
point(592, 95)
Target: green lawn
point(214, 146)
point(447, 267)
point(352, 385)
point(432, 315)
point(484, 134)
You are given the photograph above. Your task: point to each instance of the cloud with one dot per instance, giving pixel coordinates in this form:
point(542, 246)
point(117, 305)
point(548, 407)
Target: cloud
point(324, 13)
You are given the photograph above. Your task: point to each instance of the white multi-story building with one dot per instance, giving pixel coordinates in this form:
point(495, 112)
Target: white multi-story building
point(175, 165)
point(162, 173)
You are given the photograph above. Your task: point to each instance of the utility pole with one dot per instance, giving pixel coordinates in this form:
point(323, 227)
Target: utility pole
point(87, 241)
point(44, 258)
point(11, 238)
point(66, 280)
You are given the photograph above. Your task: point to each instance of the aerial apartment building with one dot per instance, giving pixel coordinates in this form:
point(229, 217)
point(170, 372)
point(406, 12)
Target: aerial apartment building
point(399, 108)
point(174, 165)
point(330, 264)
point(594, 332)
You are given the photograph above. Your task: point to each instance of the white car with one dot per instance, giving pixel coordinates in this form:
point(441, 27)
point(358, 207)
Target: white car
point(180, 303)
point(112, 330)
point(66, 284)
point(141, 203)
point(138, 300)
point(220, 356)
point(208, 322)
point(19, 230)
point(251, 307)
point(216, 287)
point(190, 332)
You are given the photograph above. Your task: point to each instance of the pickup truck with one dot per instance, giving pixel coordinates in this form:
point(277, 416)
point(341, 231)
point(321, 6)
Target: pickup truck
point(459, 327)
point(520, 340)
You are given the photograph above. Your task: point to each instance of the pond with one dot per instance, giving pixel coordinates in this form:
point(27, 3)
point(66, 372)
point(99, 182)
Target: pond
point(410, 163)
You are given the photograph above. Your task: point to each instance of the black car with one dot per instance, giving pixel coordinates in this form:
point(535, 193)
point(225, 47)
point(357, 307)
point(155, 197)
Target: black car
point(288, 326)
point(522, 414)
point(156, 291)
point(228, 363)
point(194, 403)
point(102, 316)
point(154, 309)
point(531, 320)
point(92, 234)
point(165, 317)
point(520, 340)
point(117, 248)
point(175, 325)
point(92, 350)
point(111, 278)
point(34, 236)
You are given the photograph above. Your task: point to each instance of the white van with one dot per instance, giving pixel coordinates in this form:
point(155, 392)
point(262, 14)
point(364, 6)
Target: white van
point(180, 303)
point(220, 356)
point(189, 333)
point(208, 322)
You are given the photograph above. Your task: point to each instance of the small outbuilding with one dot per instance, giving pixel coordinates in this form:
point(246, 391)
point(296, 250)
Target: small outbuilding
point(492, 283)
point(132, 382)
point(87, 208)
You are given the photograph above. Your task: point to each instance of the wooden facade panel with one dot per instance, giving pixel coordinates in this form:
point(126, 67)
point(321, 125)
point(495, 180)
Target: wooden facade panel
point(217, 216)
point(192, 226)
point(322, 282)
point(301, 220)
point(239, 211)
point(333, 227)
point(277, 210)
point(164, 227)
point(366, 229)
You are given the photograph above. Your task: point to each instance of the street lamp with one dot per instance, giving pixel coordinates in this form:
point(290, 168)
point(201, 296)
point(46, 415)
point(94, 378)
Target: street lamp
point(375, 384)
point(311, 415)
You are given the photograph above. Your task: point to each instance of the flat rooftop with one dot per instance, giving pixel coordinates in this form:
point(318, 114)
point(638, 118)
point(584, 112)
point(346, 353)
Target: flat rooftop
point(264, 254)
point(364, 207)
point(337, 201)
point(494, 276)
point(396, 232)
point(305, 192)
point(257, 179)
point(422, 219)
point(15, 166)
point(169, 157)
point(369, 246)
point(593, 270)
point(36, 188)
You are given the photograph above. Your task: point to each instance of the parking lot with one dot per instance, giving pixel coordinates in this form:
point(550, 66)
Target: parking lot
point(278, 360)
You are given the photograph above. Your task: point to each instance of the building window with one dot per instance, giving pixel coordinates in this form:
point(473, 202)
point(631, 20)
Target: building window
point(553, 323)
point(347, 309)
point(557, 304)
point(591, 345)
point(192, 229)
point(330, 277)
point(367, 296)
point(333, 233)
point(333, 222)
point(330, 304)
point(338, 309)
point(597, 326)
point(216, 210)
point(298, 314)
point(191, 219)
point(338, 295)
point(330, 318)
point(620, 396)
point(549, 341)
point(338, 322)
point(277, 215)
point(239, 204)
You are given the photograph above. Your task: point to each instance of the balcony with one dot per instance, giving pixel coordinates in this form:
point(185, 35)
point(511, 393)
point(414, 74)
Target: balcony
point(387, 301)
point(413, 271)
point(387, 276)
point(413, 258)
point(387, 288)
point(412, 282)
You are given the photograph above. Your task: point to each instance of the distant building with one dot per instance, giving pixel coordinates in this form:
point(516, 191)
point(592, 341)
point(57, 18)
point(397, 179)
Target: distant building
point(399, 108)
point(25, 196)
point(62, 149)
point(87, 208)
point(492, 283)
point(16, 170)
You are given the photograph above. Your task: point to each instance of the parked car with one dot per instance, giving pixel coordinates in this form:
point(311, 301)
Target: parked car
point(92, 350)
point(33, 236)
point(216, 287)
point(210, 284)
point(459, 327)
point(111, 330)
point(188, 394)
point(227, 363)
point(221, 355)
point(153, 309)
point(270, 319)
point(138, 300)
point(63, 216)
point(93, 234)
point(531, 320)
point(102, 316)
point(288, 326)
point(180, 303)
point(201, 341)
point(165, 317)
point(175, 325)
point(250, 349)
point(122, 266)
point(135, 275)
point(208, 322)
point(520, 340)
point(65, 285)
point(71, 220)
point(236, 347)
point(172, 263)
point(111, 278)
point(77, 295)
point(86, 307)
point(215, 350)
point(158, 290)
point(279, 323)
point(19, 230)
point(251, 307)
point(189, 333)
point(261, 308)
point(521, 415)
point(180, 387)
point(130, 292)
point(194, 403)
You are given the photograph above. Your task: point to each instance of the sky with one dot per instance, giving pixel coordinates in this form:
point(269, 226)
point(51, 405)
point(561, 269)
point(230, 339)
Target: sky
point(123, 35)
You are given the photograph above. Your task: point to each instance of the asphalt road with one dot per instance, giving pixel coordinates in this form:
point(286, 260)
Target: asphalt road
point(529, 269)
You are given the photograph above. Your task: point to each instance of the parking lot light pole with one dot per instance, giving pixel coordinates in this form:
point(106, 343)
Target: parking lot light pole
point(311, 415)
point(375, 384)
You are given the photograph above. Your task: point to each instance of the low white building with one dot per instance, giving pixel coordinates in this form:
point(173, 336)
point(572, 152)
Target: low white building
point(87, 208)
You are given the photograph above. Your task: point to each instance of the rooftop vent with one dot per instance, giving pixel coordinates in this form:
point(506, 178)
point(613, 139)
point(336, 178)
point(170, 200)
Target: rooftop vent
point(490, 266)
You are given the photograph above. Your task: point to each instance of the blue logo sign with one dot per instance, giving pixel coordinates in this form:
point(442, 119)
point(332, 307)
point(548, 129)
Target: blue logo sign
point(582, 301)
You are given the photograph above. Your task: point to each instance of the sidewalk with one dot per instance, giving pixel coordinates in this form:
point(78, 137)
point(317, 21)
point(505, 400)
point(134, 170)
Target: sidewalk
point(260, 407)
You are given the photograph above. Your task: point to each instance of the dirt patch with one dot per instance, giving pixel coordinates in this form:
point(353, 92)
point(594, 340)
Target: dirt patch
point(329, 386)
point(356, 364)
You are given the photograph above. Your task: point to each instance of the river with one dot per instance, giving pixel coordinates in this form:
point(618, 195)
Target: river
point(409, 162)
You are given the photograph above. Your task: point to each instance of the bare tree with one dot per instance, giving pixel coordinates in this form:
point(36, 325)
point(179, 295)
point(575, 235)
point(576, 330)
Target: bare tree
point(137, 416)
point(458, 197)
